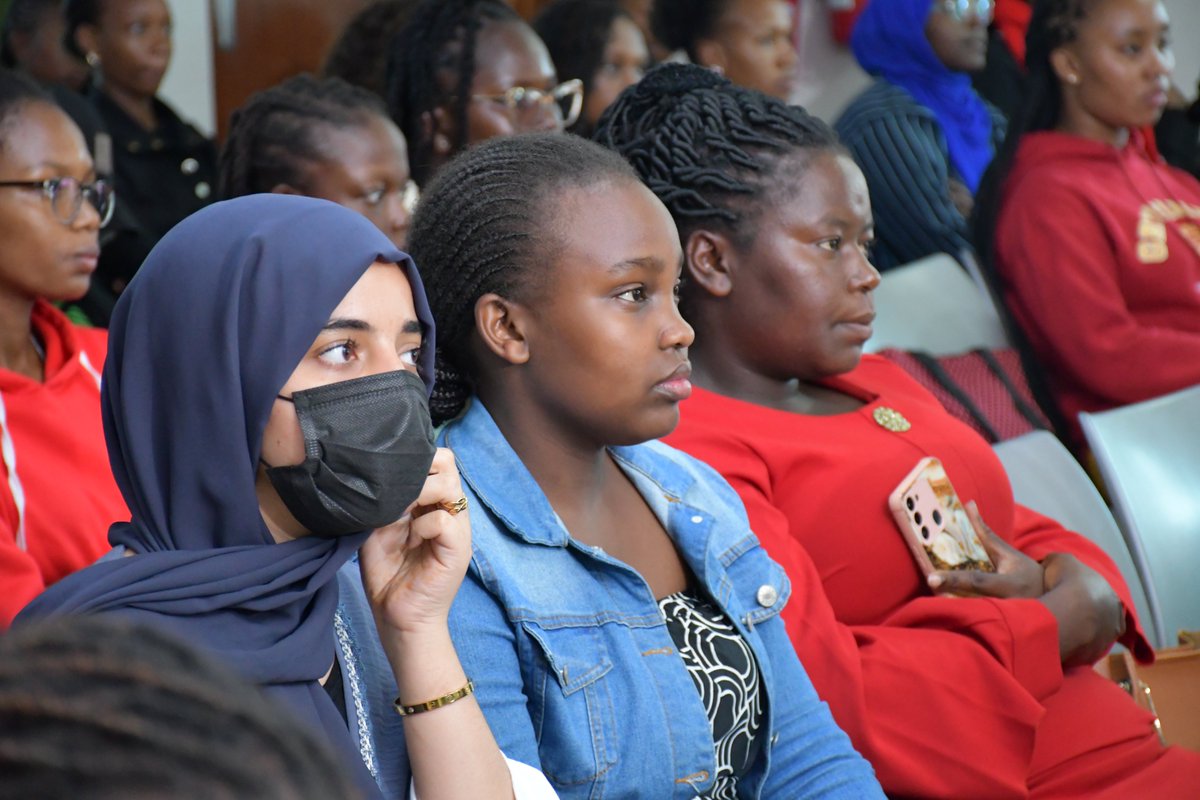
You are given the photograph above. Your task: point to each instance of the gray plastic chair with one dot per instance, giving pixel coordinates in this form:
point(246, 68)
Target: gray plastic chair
point(933, 305)
point(1048, 479)
point(1149, 457)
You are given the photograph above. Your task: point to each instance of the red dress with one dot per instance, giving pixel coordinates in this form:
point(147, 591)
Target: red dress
point(58, 495)
point(947, 697)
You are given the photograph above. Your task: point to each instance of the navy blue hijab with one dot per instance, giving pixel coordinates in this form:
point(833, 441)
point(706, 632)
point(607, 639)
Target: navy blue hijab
point(889, 41)
point(201, 342)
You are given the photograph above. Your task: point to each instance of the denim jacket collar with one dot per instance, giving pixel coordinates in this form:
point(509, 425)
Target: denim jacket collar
point(493, 470)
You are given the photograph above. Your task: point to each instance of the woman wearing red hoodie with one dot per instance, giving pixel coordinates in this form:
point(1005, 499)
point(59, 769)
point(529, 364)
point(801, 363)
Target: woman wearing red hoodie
point(1093, 241)
point(57, 495)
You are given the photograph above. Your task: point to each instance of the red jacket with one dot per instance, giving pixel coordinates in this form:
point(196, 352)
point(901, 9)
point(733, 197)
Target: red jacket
point(1099, 250)
point(58, 495)
point(947, 697)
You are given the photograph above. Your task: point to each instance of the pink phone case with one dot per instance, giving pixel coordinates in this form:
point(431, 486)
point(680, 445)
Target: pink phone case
point(935, 523)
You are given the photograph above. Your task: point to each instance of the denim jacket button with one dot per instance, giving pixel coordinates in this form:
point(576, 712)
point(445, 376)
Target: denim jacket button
point(767, 595)
point(697, 519)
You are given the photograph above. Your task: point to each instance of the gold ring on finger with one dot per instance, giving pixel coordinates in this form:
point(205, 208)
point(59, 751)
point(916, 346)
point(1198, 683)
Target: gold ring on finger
point(452, 507)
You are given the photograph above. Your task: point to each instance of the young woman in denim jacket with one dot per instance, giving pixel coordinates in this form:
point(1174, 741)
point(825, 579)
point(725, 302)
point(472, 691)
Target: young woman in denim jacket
point(619, 618)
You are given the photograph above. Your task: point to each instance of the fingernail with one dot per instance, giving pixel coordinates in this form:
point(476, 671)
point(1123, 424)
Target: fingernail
point(935, 581)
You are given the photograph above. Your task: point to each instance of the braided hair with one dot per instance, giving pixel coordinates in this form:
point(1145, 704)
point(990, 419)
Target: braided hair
point(432, 64)
point(95, 708)
point(576, 33)
point(1052, 24)
point(360, 55)
point(17, 91)
point(276, 135)
point(480, 229)
point(680, 24)
point(706, 147)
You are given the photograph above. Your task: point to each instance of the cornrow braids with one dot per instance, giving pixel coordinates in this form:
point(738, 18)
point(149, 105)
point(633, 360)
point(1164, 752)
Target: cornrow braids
point(17, 90)
point(576, 33)
point(360, 55)
point(276, 134)
point(480, 228)
point(679, 24)
point(706, 147)
point(95, 708)
point(432, 64)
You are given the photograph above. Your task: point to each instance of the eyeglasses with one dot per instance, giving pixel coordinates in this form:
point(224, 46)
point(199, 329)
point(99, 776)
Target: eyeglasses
point(66, 196)
point(960, 10)
point(566, 100)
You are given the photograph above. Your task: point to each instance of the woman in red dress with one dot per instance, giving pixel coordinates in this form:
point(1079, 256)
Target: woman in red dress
point(988, 695)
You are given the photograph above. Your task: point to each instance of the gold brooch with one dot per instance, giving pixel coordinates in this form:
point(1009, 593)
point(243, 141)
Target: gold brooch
point(891, 419)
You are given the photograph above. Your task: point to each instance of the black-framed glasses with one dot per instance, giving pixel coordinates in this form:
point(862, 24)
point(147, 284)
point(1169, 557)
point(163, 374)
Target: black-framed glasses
point(66, 196)
point(959, 10)
point(566, 100)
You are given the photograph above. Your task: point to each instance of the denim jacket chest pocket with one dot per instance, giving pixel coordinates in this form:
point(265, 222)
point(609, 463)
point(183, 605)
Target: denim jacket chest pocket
point(571, 692)
point(753, 588)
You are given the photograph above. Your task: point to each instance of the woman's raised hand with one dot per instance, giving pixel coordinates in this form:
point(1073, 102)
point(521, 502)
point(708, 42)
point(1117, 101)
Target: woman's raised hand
point(412, 568)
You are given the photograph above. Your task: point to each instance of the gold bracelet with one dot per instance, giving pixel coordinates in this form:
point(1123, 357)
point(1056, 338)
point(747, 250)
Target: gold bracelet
point(437, 702)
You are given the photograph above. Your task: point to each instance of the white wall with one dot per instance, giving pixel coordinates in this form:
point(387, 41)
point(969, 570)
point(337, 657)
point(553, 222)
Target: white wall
point(1185, 33)
point(189, 86)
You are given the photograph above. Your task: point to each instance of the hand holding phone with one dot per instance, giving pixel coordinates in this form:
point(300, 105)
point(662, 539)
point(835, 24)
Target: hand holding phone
point(933, 521)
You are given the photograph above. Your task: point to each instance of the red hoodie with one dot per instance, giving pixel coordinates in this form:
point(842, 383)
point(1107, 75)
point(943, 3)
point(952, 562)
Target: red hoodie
point(58, 496)
point(1100, 251)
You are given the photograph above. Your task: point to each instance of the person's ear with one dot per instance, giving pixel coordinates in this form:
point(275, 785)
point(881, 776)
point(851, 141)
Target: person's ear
point(709, 258)
point(437, 128)
point(87, 39)
point(501, 325)
point(710, 53)
point(1065, 63)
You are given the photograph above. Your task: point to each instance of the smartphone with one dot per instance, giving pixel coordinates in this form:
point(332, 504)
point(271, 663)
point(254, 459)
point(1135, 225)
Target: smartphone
point(935, 523)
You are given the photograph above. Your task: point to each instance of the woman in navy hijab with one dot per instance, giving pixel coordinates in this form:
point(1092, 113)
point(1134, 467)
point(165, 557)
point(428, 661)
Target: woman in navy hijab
point(920, 133)
point(265, 408)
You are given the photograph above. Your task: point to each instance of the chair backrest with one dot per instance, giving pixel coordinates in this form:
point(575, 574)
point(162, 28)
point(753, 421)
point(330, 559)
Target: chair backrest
point(1149, 457)
point(933, 305)
point(1047, 478)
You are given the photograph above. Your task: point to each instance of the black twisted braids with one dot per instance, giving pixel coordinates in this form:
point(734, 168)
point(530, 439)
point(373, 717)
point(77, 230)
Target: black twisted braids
point(482, 226)
point(706, 147)
point(1052, 24)
point(576, 33)
point(95, 708)
point(432, 64)
point(679, 24)
point(276, 135)
point(360, 55)
point(17, 90)
point(25, 17)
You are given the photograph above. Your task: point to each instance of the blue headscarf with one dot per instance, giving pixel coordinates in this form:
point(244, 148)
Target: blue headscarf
point(202, 340)
point(889, 41)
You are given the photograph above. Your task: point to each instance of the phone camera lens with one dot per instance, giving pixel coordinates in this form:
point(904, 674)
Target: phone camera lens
point(937, 517)
point(924, 532)
point(917, 517)
point(909, 502)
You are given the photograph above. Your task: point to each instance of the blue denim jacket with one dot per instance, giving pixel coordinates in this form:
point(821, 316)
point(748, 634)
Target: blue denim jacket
point(573, 664)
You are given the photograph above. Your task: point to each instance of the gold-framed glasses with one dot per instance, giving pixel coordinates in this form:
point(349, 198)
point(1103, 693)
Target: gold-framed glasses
point(960, 10)
point(564, 100)
point(66, 196)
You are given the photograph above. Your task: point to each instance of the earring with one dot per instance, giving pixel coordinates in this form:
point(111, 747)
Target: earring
point(441, 143)
point(1072, 79)
point(92, 59)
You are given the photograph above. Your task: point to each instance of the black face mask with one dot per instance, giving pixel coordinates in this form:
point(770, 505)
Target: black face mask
point(368, 446)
